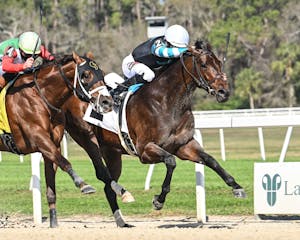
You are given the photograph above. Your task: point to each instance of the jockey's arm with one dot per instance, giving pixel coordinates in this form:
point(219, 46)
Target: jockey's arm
point(45, 54)
point(161, 50)
point(8, 64)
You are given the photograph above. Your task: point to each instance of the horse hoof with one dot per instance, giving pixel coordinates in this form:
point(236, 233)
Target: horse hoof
point(87, 189)
point(239, 193)
point(156, 204)
point(126, 225)
point(53, 224)
point(53, 218)
point(127, 197)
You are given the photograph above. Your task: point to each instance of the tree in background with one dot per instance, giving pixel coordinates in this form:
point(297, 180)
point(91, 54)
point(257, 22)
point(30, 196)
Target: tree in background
point(265, 37)
point(248, 86)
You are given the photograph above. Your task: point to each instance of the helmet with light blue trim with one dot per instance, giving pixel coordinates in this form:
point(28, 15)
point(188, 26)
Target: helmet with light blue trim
point(177, 36)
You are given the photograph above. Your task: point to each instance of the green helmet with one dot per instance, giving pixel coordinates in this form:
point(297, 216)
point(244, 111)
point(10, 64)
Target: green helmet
point(30, 42)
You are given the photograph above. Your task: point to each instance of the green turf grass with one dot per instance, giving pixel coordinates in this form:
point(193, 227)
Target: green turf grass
point(242, 151)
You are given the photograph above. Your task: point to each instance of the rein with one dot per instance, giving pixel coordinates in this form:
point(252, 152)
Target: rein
point(42, 96)
point(82, 90)
point(84, 94)
point(69, 84)
point(200, 82)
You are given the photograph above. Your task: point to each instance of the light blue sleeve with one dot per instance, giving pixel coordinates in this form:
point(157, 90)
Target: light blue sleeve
point(161, 50)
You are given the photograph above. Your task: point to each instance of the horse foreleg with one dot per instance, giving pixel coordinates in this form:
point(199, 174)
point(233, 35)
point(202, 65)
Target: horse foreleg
point(152, 154)
point(192, 151)
point(80, 183)
point(83, 134)
point(114, 164)
point(209, 161)
point(50, 171)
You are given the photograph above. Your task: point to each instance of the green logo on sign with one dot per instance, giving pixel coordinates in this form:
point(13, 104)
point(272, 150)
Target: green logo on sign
point(271, 185)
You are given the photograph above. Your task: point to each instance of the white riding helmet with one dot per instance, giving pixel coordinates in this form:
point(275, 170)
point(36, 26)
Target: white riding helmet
point(177, 36)
point(28, 41)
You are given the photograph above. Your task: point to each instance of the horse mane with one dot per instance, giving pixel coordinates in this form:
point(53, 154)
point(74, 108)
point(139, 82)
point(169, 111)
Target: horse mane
point(59, 60)
point(203, 45)
point(63, 59)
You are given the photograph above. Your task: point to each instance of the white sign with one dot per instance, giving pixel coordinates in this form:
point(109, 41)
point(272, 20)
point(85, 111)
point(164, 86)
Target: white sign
point(277, 188)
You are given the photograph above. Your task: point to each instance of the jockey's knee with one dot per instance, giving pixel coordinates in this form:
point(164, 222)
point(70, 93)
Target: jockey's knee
point(2, 82)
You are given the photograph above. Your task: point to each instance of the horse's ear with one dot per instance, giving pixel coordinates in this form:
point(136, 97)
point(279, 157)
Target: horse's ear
point(90, 55)
point(77, 58)
point(199, 44)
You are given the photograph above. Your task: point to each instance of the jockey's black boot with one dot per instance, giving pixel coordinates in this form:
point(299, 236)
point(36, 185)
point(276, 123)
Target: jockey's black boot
point(117, 92)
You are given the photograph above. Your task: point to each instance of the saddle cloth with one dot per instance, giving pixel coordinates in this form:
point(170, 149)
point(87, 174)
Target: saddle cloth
point(115, 121)
point(5, 131)
point(4, 125)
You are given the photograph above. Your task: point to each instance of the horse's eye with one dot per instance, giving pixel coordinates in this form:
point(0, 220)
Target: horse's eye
point(85, 75)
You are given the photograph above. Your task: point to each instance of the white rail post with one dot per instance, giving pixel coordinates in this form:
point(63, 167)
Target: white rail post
point(149, 176)
point(261, 144)
point(0, 156)
point(200, 184)
point(65, 146)
point(222, 143)
point(285, 144)
point(21, 158)
point(36, 187)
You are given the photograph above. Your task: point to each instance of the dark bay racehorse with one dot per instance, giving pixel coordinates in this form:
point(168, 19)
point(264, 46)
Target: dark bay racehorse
point(33, 105)
point(160, 120)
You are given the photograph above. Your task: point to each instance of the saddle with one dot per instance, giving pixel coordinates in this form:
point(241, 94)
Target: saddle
point(115, 121)
point(118, 94)
point(5, 131)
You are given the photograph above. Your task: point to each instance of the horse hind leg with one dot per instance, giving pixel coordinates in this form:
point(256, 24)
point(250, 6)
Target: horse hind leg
point(50, 171)
point(158, 200)
point(80, 183)
point(151, 153)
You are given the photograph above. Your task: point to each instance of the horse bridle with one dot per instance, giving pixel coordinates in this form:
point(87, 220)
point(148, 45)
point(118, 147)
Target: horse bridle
point(84, 92)
point(200, 82)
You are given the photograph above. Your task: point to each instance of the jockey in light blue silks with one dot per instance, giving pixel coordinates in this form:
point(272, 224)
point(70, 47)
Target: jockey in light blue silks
point(153, 54)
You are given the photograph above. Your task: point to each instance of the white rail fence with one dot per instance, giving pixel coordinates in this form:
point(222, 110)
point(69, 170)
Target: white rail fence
point(258, 118)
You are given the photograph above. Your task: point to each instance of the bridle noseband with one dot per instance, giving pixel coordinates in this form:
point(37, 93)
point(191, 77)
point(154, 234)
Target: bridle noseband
point(199, 79)
point(84, 92)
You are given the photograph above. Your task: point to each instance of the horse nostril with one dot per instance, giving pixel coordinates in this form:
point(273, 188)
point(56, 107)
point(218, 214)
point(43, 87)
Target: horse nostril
point(223, 92)
point(106, 103)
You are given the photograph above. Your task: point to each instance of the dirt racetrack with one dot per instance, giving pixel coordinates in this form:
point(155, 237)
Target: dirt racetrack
point(173, 228)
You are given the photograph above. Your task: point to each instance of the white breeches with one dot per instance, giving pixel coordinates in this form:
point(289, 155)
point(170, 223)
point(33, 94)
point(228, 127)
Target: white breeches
point(112, 80)
point(130, 68)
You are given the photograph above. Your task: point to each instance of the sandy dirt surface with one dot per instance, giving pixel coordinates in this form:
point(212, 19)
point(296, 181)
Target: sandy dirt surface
point(179, 227)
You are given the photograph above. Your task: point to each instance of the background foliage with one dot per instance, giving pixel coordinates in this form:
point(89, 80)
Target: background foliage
point(263, 59)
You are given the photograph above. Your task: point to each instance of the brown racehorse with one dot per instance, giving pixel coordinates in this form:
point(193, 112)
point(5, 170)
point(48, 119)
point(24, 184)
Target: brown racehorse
point(33, 105)
point(160, 120)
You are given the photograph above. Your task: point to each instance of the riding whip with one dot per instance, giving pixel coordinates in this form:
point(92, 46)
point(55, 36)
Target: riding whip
point(41, 21)
point(225, 54)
